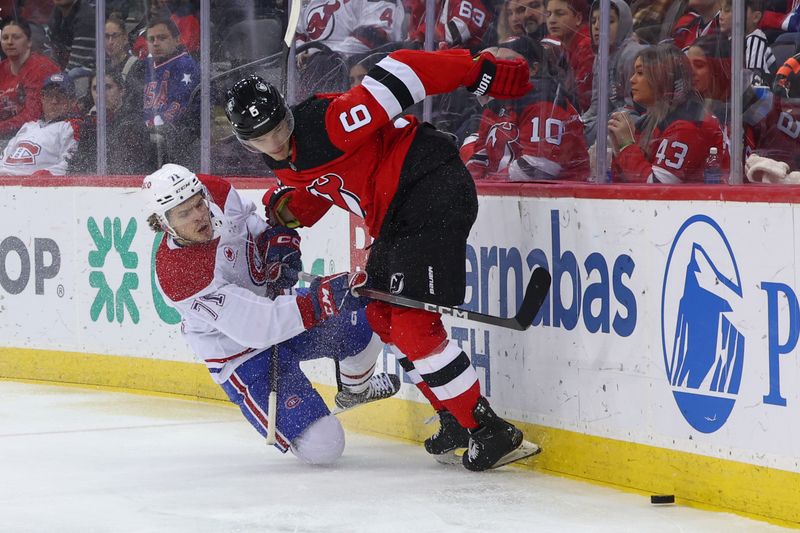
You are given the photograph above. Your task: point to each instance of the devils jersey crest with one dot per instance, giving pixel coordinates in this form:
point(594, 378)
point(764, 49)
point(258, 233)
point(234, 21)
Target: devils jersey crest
point(320, 21)
point(331, 187)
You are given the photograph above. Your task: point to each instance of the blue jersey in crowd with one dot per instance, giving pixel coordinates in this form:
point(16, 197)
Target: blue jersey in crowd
point(168, 86)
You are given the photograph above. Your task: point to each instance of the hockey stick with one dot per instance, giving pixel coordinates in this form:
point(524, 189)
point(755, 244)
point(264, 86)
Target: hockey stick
point(272, 404)
point(532, 301)
point(288, 38)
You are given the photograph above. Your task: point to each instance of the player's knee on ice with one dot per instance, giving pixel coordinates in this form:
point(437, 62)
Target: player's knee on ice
point(321, 443)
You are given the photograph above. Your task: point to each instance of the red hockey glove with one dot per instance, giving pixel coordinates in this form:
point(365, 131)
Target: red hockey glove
point(274, 200)
point(331, 296)
point(499, 78)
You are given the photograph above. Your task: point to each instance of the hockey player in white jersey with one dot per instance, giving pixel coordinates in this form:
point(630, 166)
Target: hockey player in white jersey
point(230, 274)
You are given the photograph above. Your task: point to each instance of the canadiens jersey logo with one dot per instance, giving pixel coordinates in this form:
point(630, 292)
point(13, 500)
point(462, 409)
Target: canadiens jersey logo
point(293, 401)
point(24, 154)
point(255, 261)
point(331, 188)
point(321, 22)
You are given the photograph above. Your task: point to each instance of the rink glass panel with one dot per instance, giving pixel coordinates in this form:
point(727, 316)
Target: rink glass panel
point(238, 39)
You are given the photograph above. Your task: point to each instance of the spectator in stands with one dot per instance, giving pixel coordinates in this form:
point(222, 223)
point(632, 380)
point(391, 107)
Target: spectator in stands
point(361, 65)
point(758, 57)
point(671, 141)
point(71, 34)
point(35, 12)
point(182, 13)
point(329, 33)
point(776, 20)
point(128, 149)
point(48, 144)
point(521, 17)
point(778, 136)
point(22, 75)
point(537, 137)
point(701, 18)
point(459, 24)
point(623, 49)
point(710, 59)
point(120, 59)
point(170, 79)
point(566, 24)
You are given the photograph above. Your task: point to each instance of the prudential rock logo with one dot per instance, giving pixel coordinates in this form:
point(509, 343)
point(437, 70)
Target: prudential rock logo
point(702, 345)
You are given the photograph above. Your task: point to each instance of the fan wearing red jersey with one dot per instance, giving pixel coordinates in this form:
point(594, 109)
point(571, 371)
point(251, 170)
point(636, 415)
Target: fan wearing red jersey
point(701, 18)
point(22, 75)
point(566, 24)
point(672, 139)
point(417, 198)
point(228, 273)
point(459, 23)
point(539, 136)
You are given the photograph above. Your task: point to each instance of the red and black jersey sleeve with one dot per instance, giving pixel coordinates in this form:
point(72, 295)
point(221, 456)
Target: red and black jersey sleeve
point(397, 82)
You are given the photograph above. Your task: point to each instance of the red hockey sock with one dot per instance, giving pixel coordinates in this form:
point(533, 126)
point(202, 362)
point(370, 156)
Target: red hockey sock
point(424, 389)
point(462, 405)
point(413, 375)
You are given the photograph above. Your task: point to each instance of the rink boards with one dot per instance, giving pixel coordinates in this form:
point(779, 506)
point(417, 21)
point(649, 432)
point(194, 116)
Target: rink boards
point(665, 358)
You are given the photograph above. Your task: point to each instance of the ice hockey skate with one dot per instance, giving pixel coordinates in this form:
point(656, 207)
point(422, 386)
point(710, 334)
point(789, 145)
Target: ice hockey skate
point(379, 387)
point(451, 438)
point(495, 442)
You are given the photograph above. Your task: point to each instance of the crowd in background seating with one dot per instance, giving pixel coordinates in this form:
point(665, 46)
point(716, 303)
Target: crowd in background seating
point(669, 82)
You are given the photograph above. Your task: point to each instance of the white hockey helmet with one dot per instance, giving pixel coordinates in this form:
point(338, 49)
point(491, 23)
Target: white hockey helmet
point(169, 187)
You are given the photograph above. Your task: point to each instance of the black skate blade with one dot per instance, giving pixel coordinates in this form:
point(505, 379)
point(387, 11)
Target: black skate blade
point(526, 449)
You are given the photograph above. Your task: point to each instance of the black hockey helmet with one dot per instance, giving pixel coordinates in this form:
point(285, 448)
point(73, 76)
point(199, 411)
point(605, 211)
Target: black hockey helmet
point(254, 107)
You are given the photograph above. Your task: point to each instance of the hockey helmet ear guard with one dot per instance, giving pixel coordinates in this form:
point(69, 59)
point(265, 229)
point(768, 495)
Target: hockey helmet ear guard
point(169, 187)
point(255, 108)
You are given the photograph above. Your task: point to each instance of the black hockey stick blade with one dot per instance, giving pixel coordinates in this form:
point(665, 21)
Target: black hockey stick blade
point(535, 294)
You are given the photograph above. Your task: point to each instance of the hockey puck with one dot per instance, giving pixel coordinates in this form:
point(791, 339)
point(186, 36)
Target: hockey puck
point(662, 498)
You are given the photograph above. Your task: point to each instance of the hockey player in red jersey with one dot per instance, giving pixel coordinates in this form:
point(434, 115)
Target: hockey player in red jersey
point(536, 137)
point(229, 273)
point(671, 141)
point(406, 180)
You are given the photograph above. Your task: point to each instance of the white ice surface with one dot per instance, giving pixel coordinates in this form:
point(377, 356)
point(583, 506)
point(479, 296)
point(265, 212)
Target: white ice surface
point(79, 460)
